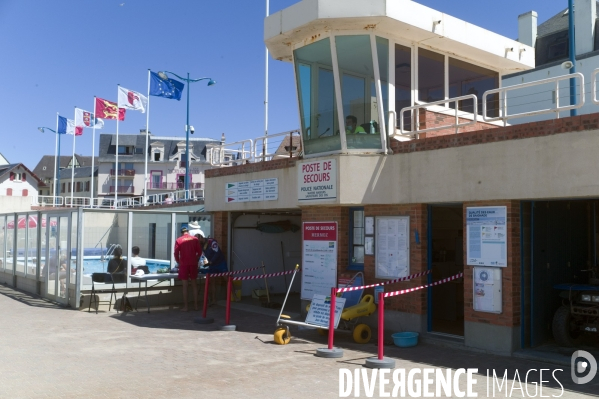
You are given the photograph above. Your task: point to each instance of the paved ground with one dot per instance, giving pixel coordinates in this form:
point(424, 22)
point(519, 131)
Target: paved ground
point(50, 352)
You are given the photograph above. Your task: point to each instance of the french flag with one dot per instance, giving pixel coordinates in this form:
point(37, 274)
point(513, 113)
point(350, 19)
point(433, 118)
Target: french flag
point(67, 126)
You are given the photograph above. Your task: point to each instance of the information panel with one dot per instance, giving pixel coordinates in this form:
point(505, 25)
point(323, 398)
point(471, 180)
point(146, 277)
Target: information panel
point(486, 230)
point(317, 180)
point(319, 270)
point(487, 290)
point(320, 309)
point(392, 243)
point(252, 190)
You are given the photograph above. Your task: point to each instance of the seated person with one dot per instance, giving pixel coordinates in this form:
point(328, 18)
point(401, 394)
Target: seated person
point(136, 261)
point(352, 127)
point(117, 266)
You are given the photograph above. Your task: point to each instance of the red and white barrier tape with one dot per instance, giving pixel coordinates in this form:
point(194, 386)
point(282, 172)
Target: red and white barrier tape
point(265, 275)
point(401, 292)
point(347, 289)
point(234, 272)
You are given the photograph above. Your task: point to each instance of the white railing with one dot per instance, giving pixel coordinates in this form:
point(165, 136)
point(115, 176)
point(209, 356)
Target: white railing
point(175, 197)
point(264, 151)
point(415, 115)
point(503, 91)
point(77, 201)
point(594, 80)
point(47, 200)
point(230, 154)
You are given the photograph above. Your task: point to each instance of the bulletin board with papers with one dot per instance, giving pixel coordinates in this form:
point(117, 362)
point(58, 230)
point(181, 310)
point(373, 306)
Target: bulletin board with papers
point(392, 243)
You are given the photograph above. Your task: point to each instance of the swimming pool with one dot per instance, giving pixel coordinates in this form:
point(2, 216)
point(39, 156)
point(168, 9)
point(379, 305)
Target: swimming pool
point(98, 264)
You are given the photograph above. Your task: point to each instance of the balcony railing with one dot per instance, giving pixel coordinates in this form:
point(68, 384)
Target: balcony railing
point(122, 189)
point(173, 186)
point(123, 172)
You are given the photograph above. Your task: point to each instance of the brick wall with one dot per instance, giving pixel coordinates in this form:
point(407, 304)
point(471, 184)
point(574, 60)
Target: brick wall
point(429, 119)
point(515, 132)
point(510, 316)
point(221, 223)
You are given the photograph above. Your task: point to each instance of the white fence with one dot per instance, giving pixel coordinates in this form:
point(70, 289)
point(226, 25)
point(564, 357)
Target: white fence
point(263, 148)
point(121, 203)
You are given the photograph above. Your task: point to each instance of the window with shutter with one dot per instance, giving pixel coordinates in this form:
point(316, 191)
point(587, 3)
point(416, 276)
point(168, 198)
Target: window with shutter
point(9, 191)
point(12, 176)
point(24, 177)
point(25, 192)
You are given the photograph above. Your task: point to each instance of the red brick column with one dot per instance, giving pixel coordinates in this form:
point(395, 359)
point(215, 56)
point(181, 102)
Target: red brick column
point(510, 316)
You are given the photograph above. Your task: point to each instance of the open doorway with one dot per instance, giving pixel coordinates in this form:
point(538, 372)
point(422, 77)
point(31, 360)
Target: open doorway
point(446, 301)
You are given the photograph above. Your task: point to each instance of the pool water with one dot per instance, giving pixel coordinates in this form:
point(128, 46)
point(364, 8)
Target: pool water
point(96, 264)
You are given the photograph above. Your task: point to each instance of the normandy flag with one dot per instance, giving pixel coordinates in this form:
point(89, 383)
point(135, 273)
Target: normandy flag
point(108, 110)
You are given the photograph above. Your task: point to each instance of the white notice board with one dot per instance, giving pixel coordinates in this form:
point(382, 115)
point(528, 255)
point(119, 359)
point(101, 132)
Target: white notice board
point(320, 309)
point(319, 262)
point(487, 290)
point(392, 244)
point(486, 232)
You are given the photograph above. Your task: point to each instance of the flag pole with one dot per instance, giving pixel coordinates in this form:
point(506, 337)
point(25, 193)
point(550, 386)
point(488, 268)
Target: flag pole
point(116, 163)
point(91, 192)
point(145, 191)
point(266, 91)
point(73, 160)
point(54, 192)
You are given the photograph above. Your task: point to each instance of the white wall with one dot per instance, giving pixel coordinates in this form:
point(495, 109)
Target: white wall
point(14, 204)
point(266, 247)
point(548, 167)
point(541, 97)
point(18, 186)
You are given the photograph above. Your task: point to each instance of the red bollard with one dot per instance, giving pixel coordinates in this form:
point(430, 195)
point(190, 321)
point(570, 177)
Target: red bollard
point(205, 310)
point(332, 317)
point(331, 352)
point(227, 326)
point(381, 323)
point(204, 319)
point(380, 362)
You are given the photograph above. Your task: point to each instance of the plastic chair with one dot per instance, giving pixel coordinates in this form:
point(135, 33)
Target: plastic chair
point(102, 279)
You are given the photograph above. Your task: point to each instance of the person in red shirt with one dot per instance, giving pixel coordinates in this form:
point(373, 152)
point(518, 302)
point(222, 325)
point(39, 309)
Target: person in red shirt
point(187, 255)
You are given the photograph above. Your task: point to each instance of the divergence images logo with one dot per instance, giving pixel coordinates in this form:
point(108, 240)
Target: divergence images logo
point(582, 363)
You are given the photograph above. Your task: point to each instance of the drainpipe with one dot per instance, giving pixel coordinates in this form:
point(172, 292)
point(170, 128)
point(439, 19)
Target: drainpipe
point(571, 32)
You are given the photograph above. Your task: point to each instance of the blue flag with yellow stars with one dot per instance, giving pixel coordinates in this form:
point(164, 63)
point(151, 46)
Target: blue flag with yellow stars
point(167, 88)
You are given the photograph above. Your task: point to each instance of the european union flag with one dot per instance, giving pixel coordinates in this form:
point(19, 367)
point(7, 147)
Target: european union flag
point(167, 88)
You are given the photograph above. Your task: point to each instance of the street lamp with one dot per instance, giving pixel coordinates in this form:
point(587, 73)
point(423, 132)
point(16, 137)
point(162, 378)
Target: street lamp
point(163, 75)
point(56, 161)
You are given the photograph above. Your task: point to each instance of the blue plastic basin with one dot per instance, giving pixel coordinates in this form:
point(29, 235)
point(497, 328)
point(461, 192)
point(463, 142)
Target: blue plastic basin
point(405, 339)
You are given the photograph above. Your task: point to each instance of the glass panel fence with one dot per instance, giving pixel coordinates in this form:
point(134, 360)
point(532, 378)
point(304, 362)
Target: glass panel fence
point(31, 256)
point(21, 226)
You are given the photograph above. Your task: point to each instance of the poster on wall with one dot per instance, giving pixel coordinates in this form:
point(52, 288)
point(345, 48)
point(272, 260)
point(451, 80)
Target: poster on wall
point(252, 190)
point(487, 290)
point(317, 180)
point(319, 268)
point(486, 232)
point(392, 239)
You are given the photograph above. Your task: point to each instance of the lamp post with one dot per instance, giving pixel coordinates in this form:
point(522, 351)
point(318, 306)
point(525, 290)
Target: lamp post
point(56, 161)
point(163, 75)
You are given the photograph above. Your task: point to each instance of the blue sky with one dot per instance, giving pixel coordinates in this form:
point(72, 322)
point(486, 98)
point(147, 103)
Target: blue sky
point(55, 55)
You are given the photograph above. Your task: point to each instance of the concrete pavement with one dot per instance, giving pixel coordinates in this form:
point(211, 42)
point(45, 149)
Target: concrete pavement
point(47, 351)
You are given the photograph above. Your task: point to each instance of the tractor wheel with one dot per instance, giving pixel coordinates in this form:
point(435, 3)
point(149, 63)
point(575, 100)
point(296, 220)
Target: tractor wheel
point(565, 331)
point(282, 337)
point(362, 334)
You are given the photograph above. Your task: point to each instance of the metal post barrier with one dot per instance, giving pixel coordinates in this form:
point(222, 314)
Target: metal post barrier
point(330, 351)
point(380, 362)
point(204, 319)
point(228, 326)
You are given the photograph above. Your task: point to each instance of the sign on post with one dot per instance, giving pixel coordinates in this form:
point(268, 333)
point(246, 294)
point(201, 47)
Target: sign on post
point(320, 309)
point(319, 270)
